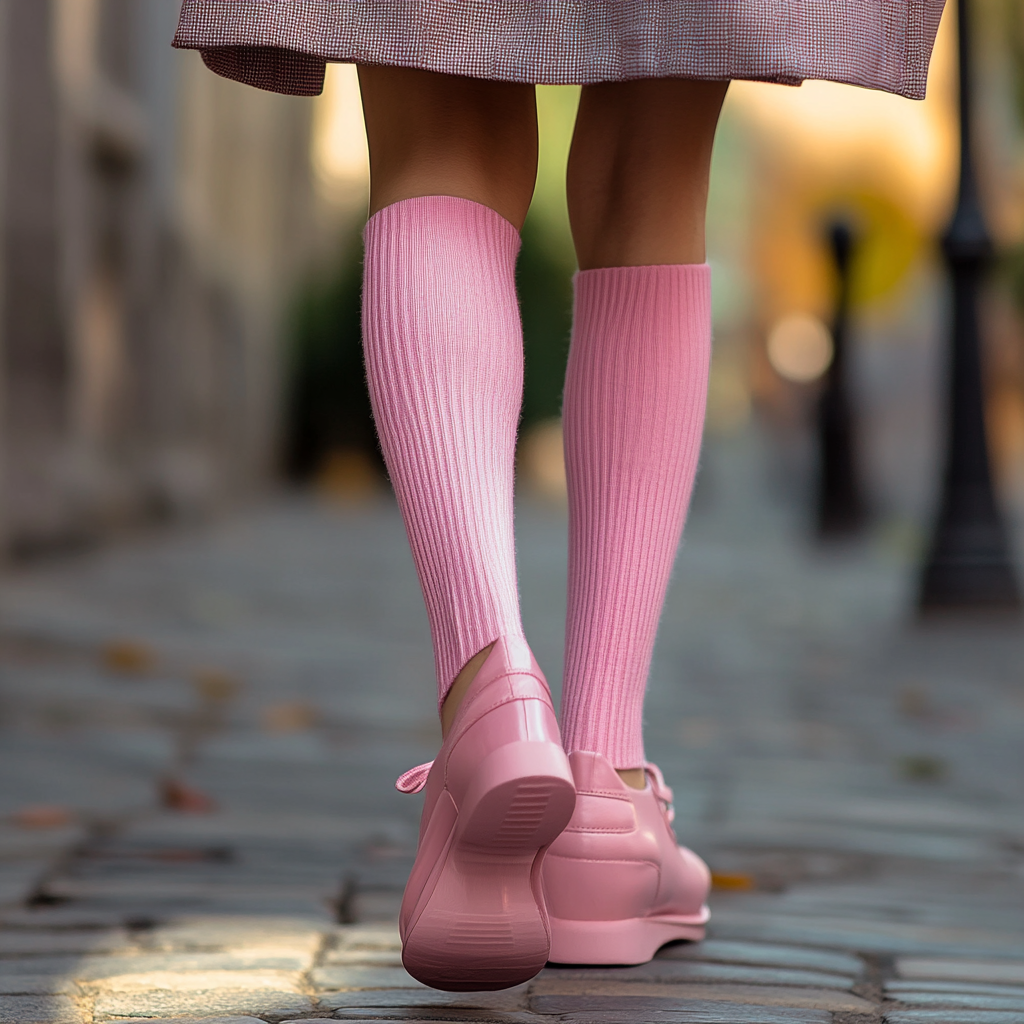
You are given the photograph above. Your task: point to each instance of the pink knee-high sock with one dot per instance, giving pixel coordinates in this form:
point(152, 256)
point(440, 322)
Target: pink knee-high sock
point(444, 360)
point(633, 415)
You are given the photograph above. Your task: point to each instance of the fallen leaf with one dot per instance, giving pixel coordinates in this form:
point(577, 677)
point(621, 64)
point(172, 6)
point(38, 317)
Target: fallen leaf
point(291, 717)
point(733, 882)
point(43, 816)
point(177, 796)
point(215, 685)
point(922, 768)
point(127, 658)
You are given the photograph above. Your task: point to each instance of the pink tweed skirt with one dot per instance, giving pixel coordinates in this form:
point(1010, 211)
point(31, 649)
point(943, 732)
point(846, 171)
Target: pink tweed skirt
point(285, 45)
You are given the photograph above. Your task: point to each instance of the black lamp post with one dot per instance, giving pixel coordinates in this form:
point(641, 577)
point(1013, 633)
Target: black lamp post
point(969, 564)
point(841, 509)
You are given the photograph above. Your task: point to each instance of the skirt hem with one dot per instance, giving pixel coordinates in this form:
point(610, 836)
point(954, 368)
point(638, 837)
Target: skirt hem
point(285, 45)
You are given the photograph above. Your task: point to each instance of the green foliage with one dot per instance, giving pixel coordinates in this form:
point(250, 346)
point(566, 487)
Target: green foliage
point(326, 403)
point(1014, 16)
point(1010, 274)
point(327, 406)
point(1008, 26)
point(545, 297)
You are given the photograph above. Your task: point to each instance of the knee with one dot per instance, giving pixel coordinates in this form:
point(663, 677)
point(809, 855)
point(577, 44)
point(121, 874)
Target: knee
point(435, 134)
point(638, 171)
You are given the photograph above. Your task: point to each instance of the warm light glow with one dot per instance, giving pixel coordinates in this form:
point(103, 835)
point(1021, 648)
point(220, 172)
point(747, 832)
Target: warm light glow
point(340, 156)
point(842, 130)
point(800, 348)
point(824, 151)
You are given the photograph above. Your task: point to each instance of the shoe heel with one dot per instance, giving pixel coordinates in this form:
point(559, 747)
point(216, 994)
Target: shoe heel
point(632, 941)
point(482, 927)
point(520, 800)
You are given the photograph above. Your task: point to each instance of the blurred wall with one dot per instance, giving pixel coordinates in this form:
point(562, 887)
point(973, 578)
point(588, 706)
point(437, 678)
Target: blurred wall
point(154, 219)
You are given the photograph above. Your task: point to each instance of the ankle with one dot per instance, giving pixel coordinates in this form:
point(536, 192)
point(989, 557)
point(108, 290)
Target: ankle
point(460, 687)
point(635, 778)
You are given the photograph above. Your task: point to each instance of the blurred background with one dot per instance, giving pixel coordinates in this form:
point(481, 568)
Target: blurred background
point(181, 265)
point(214, 658)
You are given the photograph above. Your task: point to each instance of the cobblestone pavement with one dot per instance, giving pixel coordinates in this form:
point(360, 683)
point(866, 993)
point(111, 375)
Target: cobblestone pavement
point(199, 735)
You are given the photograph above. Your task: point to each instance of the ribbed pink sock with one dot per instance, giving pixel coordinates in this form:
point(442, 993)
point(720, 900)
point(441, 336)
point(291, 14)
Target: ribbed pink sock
point(444, 361)
point(633, 415)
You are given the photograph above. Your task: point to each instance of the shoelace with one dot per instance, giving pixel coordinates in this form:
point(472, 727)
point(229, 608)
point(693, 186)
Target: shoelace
point(662, 791)
point(415, 779)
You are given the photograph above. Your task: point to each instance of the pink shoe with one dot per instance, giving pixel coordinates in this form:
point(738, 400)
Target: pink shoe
point(617, 885)
point(499, 792)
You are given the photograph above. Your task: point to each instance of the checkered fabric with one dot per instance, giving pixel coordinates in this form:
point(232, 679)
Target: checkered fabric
point(284, 45)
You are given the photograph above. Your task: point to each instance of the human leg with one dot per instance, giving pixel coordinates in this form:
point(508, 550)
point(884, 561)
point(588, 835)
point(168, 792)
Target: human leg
point(453, 164)
point(617, 883)
point(442, 135)
point(637, 180)
point(452, 168)
point(635, 388)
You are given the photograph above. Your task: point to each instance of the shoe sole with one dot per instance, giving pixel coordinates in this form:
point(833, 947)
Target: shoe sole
point(480, 922)
point(628, 942)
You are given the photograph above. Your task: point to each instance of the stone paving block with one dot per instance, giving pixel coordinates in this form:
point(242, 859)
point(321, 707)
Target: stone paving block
point(950, 969)
point(38, 965)
point(30, 942)
point(952, 1017)
point(159, 896)
point(442, 1015)
point(330, 614)
point(764, 954)
point(69, 917)
point(239, 932)
point(506, 1001)
point(377, 957)
point(36, 985)
point(904, 814)
point(970, 999)
point(875, 936)
point(672, 971)
point(37, 844)
point(439, 1015)
point(280, 828)
point(767, 833)
point(369, 936)
point(60, 767)
point(553, 996)
point(973, 901)
point(94, 968)
point(195, 981)
point(199, 1003)
point(697, 1012)
point(907, 906)
point(39, 1010)
point(979, 988)
point(339, 978)
point(270, 957)
point(377, 905)
point(216, 900)
point(18, 879)
point(192, 1020)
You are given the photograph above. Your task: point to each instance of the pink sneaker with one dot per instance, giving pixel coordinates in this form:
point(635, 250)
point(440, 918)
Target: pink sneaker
point(498, 793)
point(617, 885)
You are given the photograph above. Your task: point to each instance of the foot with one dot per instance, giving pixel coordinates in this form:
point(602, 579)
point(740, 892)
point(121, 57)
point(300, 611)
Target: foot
point(499, 792)
point(460, 687)
point(635, 778)
point(616, 883)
